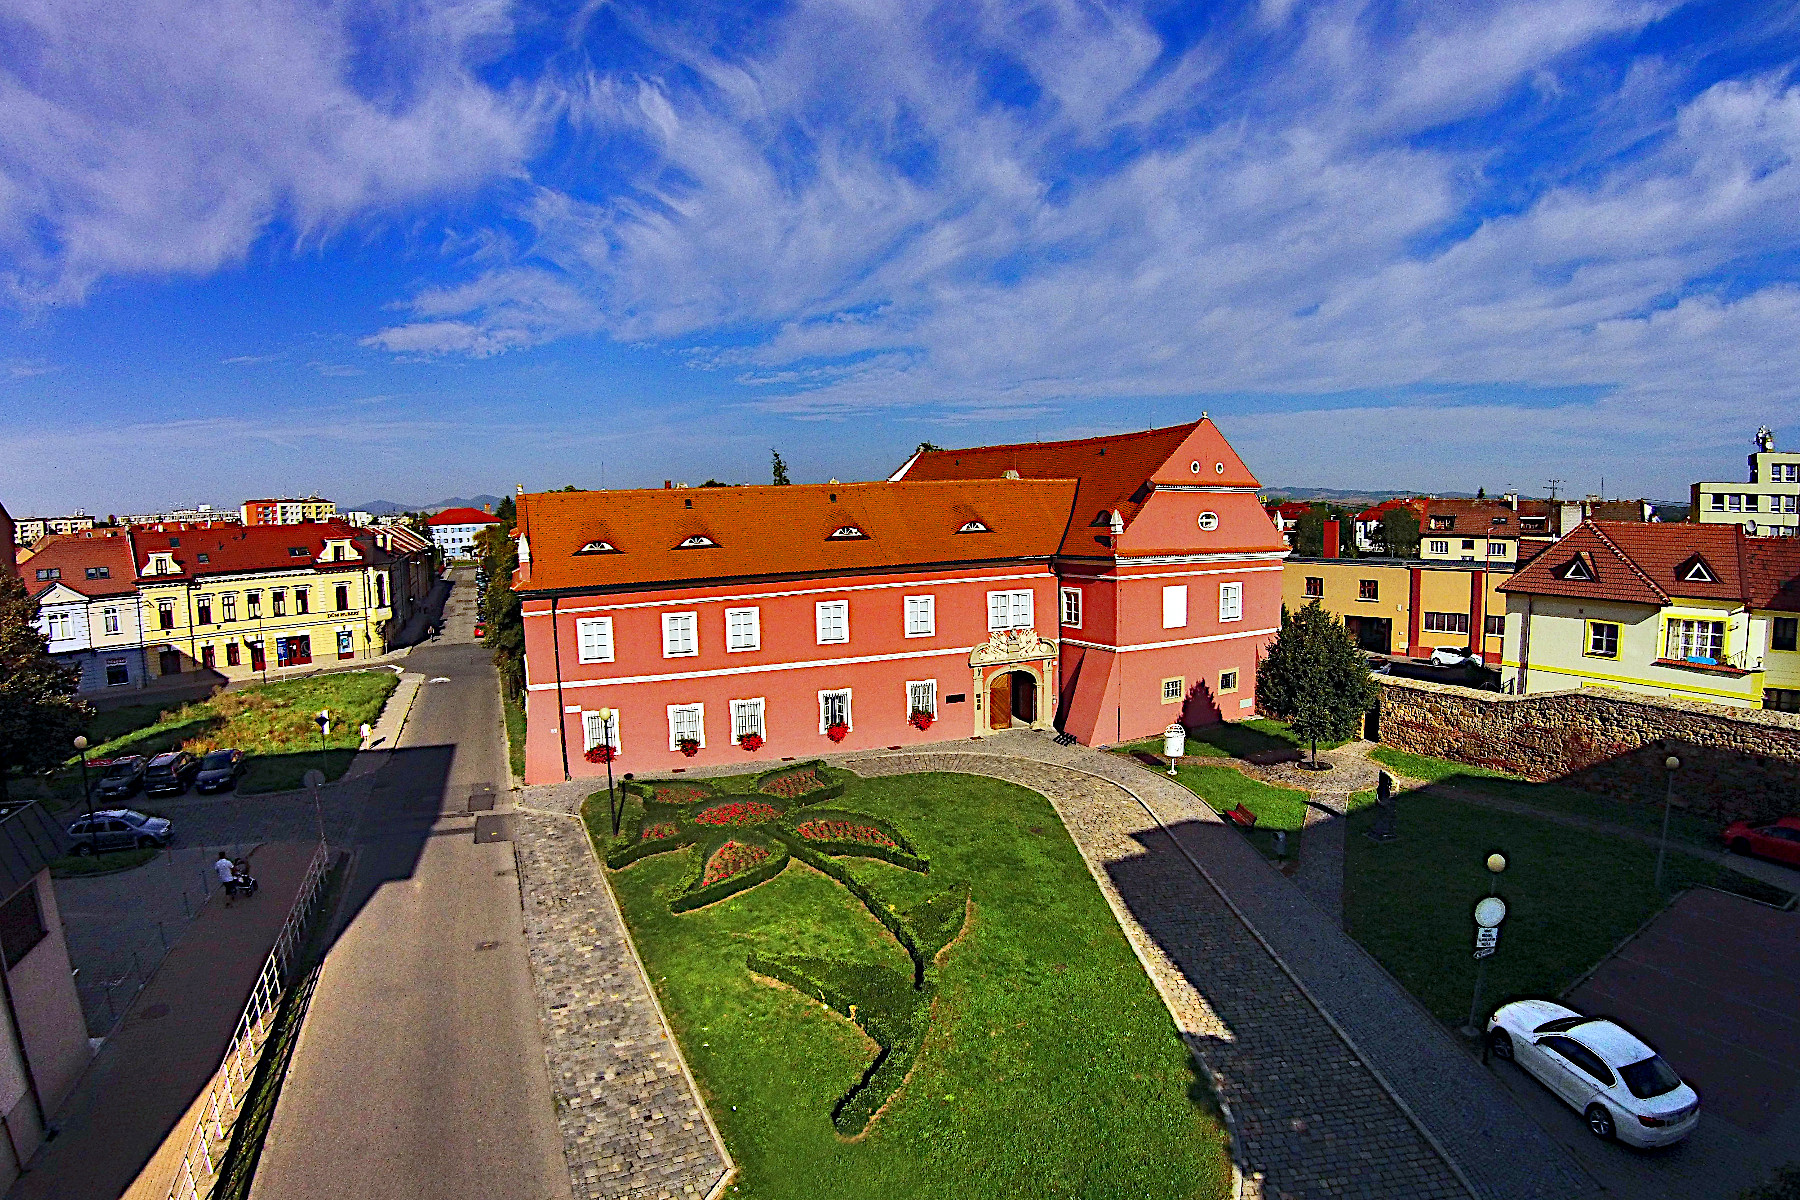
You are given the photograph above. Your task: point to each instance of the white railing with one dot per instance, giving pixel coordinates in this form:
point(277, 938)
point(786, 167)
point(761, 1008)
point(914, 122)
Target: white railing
point(211, 1134)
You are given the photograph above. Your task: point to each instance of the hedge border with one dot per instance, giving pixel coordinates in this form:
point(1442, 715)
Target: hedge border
point(905, 848)
point(700, 897)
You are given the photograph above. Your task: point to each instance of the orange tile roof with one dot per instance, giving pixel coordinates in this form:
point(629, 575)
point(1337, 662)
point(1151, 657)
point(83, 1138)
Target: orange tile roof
point(1774, 569)
point(1641, 563)
point(231, 548)
point(786, 530)
point(462, 516)
point(1112, 471)
point(72, 557)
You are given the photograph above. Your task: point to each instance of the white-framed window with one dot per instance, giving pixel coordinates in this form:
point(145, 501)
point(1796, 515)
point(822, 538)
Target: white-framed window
point(687, 721)
point(743, 629)
point(111, 618)
point(1718, 501)
point(681, 635)
point(61, 628)
point(1173, 690)
point(1071, 607)
point(834, 709)
point(1438, 547)
point(833, 620)
point(595, 732)
point(1231, 602)
point(1701, 640)
point(594, 639)
point(1009, 610)
point(746, 718)
point(1175, 606)
point(1446, 622)
point(921, 616)
point(1496, 549)
point(921, 696)
point(1228, 680)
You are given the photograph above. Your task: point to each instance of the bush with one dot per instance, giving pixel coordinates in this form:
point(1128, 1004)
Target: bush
point(694, 895)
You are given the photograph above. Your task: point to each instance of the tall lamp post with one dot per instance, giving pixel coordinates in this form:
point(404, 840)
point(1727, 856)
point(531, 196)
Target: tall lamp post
point(606, 739)
point(1671, 765)
point(323, 721)
point(87, 797)
point(1488, 915)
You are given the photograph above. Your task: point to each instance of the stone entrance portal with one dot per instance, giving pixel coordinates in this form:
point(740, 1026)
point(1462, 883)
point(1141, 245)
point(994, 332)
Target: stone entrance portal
point(1014, 674)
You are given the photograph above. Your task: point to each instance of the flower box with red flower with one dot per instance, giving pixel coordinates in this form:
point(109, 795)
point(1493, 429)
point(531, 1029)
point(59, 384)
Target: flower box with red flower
point(688, 746)
point(601, 754)
point(837, 731)
point(921, 719)
point(751, 742)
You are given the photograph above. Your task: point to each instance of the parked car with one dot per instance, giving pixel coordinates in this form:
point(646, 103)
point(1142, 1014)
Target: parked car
point(481, 629)
point(1452, 656)
point(123, 777)
point(119, 829)
point(170, 773)
point(220, 769)
point(1620, 1086)
point(1780, 841)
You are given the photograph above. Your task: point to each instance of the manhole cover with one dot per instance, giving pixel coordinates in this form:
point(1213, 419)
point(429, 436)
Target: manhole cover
point(154, 1012)
point(493, 829)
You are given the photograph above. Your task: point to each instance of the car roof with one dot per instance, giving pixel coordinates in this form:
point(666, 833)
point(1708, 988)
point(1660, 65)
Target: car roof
point(1789, 822)
point(166, 756)
point(121, 812)
point(1614, 1044)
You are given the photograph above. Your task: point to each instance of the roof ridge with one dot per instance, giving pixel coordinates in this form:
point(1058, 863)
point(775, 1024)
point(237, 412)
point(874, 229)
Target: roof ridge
point(1626, 558)
point(1189, 426)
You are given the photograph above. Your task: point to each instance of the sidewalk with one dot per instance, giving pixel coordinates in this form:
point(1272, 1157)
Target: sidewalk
point(384, 735)
point(134, 1100)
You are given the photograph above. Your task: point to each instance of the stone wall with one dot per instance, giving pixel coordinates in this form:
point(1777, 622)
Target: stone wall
point(1735, 762)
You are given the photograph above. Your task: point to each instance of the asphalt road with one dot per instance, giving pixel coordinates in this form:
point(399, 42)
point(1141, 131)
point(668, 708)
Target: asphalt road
point(420, 1070)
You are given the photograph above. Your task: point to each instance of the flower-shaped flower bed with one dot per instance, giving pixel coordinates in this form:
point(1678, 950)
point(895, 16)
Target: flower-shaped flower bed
point(674, 793)
point(660, 831)
point(738, 812)
point(844, 831)
point(733, 858)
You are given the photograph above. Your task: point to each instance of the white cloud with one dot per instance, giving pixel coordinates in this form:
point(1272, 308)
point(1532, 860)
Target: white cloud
point(165, 136)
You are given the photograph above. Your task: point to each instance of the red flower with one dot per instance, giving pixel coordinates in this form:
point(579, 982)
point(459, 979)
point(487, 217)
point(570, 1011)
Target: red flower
point(661, 831)
point(601, 754)
point(738, 812)
point(822, 830)
point(688, 746)
point(732, 858)
point(751, 742)
point(836, 731)
point(920, 720)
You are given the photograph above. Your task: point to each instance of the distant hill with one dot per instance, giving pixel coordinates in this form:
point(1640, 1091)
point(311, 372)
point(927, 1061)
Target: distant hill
point(1350, 498)
point(384, 507)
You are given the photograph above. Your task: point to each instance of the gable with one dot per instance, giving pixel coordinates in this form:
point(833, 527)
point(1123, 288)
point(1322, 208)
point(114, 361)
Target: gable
point(59, 593)
point(1204, 459)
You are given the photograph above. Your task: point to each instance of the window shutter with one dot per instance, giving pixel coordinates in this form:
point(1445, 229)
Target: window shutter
point(1175, 608)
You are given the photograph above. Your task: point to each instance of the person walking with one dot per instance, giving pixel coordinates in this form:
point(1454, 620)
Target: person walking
point(226, 870)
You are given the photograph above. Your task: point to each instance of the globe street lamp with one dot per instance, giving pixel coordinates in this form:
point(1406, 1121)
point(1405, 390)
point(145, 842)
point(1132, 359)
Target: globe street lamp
point(1671, 765)
point(81, 745)
point(616, 811)
point(1489, 912)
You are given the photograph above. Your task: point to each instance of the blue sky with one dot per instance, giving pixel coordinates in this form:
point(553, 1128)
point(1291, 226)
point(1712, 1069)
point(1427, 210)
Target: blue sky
point(406, 249)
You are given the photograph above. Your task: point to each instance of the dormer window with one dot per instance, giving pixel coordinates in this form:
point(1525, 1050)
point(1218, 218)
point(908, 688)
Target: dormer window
point(1443, 522)
point(598, 546)
point(1101, 518)
point(973, 527)
point(1695, 570)
point(844, 533)
point(1577, 569)
point(202, 557)
point(698, 542)
point(296, 551)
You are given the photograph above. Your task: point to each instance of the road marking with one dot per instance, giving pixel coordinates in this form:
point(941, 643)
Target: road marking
point(438, 679)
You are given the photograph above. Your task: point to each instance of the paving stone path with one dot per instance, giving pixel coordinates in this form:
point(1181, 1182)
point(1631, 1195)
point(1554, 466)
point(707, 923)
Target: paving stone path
point(1335, 1081)
point(633, 1124)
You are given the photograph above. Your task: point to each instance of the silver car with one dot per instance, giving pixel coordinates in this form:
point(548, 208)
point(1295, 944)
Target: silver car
point(119, 829)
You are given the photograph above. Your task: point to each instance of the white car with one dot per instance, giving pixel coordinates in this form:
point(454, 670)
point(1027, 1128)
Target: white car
point(1620, 1086)
point(1451, 656)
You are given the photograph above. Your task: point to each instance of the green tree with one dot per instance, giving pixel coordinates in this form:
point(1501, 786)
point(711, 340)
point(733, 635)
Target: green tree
point(507, 512)
point(1481, 493)
point(927, 447)
point(1398, 533)
point(39, 712)
point(1309, 531)
point(1313, 677)
point(779, 469)
point(499, 555)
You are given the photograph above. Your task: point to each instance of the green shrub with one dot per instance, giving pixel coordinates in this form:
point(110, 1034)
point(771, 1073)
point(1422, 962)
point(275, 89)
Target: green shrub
point(695, 896)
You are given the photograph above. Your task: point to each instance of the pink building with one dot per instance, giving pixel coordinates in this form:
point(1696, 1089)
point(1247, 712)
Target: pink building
point(1105, 587)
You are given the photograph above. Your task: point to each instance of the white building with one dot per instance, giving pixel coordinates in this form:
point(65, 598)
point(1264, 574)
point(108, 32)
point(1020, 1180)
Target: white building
point(453, 530)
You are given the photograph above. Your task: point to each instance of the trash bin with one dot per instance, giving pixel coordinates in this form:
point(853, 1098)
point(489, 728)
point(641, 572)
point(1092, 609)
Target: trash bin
point(1174, 742)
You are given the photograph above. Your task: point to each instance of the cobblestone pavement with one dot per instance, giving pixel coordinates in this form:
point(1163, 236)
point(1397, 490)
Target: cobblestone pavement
point(632, 1121)
point(1307, 1110)
point(1321, 873)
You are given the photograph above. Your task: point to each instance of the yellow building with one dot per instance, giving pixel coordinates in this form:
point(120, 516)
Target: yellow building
point(1405, 606)
point(1700, 612)
point(247, 602)
point(1768, 504)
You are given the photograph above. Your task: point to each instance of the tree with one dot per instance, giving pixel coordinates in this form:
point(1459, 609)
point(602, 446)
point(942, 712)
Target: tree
point(499, 556)
point(507, 512)
point(1481, 493)
point(780, 469)
point(39, 712)
point(1313, 677)
point(1398, 533)
point(927, 447)
point(1309, 531)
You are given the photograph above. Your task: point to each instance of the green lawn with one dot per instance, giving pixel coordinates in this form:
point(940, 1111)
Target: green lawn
point(1551, 797)
point(1232, 739)
point(273, 722)
point(1571, 897)
point(515, 734)
point(1050, 1068)
point(70, 865)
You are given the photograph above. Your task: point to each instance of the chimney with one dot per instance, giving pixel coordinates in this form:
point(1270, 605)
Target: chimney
point(668, 484)
point(1331, 538)
point(488, 508)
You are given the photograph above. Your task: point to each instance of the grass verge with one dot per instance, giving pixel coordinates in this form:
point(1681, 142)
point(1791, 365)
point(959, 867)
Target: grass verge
point(515, 733)
point(71, 866)
point(1050, 1068)
point(1571, 897)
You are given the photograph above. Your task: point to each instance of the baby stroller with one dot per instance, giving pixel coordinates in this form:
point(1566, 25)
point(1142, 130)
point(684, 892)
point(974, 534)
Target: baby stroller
point(242, 882)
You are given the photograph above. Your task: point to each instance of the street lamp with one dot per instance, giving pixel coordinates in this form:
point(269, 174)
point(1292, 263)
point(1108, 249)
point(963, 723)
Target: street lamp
point(1488, 915)
point(87, 797)
point(323, 721)
point(1671, 765)
point(616, 811)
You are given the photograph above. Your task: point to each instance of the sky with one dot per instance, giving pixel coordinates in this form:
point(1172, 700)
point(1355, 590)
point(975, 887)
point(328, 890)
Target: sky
point(409, 249)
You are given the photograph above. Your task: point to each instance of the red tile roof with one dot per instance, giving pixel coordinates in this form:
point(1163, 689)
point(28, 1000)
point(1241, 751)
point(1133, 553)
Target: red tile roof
point(1470, 518)
point(1112, 472)
point(233, 549)
point(1774, 572)
point(72, 557)
point(758, 531)
point(462, 516)
point(1645, 563)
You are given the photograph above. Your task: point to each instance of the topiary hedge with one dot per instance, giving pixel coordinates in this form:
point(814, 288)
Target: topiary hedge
point(901, 853)
point(696, 894)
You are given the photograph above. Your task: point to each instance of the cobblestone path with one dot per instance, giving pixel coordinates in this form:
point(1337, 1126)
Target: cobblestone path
point(633, 1125)
point(1315, 1103)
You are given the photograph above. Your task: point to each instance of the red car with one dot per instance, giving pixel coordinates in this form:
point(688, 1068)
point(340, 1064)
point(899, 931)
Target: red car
point(481, 629)
point(1780, 841)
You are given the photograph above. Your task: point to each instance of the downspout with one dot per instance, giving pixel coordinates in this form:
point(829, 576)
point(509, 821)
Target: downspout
point(562, 716)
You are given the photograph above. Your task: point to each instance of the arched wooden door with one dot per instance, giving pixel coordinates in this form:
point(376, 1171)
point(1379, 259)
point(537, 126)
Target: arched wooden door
point(1000, 701)
point(1024, 697)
